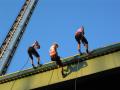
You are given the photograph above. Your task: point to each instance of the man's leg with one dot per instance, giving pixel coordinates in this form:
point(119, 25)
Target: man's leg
point(31, 60)
point(77, 37)
point(85, 42)
point(38, 58)
point(31, 57)
point(59, 62)
point(79, 50)
point(86, 46)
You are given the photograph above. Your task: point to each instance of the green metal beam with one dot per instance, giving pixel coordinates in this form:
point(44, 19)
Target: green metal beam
point(77, 66)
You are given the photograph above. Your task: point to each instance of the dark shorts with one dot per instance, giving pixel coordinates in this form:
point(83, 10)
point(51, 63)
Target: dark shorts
point(57, 59)
point(80, 38)
point(32, 51)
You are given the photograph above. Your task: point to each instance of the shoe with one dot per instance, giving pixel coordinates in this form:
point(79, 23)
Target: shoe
point(63, 74)
point(33, 66)
point(88, 53)
point(80, 52)
point(39, 65)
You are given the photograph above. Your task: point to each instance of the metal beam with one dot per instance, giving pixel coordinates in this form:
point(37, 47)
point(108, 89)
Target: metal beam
point(104, 59)
point(15, 34)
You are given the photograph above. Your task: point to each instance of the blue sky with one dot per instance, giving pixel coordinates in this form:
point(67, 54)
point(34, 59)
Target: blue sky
point(57, 21)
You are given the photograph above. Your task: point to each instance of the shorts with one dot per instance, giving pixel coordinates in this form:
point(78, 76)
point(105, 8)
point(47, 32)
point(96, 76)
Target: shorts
point(79, 37)
point(32, 51)
point(57, 60)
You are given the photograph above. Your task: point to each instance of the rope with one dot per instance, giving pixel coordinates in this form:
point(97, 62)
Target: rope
point(76, 75)
point(18, 74)
point(50, 79)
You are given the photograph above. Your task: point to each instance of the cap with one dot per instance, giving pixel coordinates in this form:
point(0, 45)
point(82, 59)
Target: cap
point(55, 44)
point(37, 44)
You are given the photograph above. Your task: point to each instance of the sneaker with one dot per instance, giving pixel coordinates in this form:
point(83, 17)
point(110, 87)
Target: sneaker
point(64, 74)
point(39, 65)
point(88, 53)
point(33, 66)
point(81, 53)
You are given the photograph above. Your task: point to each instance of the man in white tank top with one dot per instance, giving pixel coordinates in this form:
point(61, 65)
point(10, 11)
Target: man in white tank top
point(54, 55)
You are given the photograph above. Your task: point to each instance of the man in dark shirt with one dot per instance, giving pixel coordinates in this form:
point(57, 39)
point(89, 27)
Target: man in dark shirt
point(32, 50)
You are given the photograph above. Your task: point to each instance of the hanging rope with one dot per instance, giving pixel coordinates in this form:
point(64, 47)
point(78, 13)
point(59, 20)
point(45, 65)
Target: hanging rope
point(76, 75)
point(50, 79)
point(18, 74)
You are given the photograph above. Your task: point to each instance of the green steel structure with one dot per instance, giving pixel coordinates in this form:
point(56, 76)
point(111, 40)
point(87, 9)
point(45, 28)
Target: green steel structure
point(102, 63)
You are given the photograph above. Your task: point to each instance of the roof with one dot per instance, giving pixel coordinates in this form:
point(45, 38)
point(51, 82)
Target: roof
point(66, 61)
